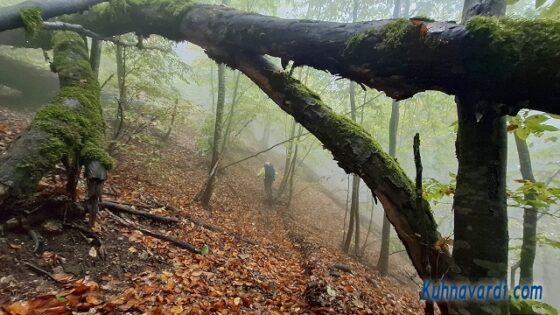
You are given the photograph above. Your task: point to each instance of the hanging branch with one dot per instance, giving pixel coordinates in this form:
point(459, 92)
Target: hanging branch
point(61, 26)
point(419, 168)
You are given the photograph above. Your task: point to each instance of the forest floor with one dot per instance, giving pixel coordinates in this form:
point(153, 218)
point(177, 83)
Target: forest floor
point(263, 260)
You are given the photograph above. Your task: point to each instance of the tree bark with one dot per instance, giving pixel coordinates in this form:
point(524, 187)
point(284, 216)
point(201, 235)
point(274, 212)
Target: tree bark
point(10, 16)
point(383, 262)
point(72, 124)
point(480, 248)
point(206, 194)
point(529, 246)
point(481, 236)
point(95, 56)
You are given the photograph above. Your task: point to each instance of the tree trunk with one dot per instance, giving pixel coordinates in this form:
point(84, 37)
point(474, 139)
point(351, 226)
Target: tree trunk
point(481, 234)
point(206, 194)
point(234, 100)
point(10, 16)
point(480, 248)
point(383, 262)
point(529, 246)
point(72, 124)
point(121, 75)
point(288, 162)
point(95, 56)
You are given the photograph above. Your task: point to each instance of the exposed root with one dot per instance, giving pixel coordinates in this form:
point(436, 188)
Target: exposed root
point(91, 235)
point(38, 240)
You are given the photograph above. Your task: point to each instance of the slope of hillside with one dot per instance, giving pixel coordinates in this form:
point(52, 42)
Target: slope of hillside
point(260, 259)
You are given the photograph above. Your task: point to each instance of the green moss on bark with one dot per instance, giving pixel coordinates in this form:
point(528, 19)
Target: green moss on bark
point(74, 117)
point(162, 17)
point(510, 44)
point(392, 35)
point(32, 21)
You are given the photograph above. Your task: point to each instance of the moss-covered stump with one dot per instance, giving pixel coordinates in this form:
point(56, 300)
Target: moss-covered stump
point(71, 125)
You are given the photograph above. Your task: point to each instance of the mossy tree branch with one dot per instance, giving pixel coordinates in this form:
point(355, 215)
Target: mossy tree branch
point(511, 64)
point(71, 125)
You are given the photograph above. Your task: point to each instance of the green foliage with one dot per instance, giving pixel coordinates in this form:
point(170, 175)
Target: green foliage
point(529, 307)
point(32, 21)
point(543, 240)
point(525, 124)
point(435, 190)
point(552, 11)
point(534, 194)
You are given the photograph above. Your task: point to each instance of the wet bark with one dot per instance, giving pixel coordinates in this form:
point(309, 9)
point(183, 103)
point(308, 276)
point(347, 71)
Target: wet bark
point(480, 212)
point(10, 16)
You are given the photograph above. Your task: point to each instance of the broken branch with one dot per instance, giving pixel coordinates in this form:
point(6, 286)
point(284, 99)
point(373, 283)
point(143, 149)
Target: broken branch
point(122, 208)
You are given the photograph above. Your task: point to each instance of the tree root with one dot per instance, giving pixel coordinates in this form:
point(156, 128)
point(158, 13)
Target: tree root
point(135, 226)
point(38, 240)
point(96, 239)
point(113, 206)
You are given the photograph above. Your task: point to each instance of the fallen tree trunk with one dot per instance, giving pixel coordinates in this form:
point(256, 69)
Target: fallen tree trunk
point(488, 56)
point(123, 208)
point(70, 127)
point(10, 17)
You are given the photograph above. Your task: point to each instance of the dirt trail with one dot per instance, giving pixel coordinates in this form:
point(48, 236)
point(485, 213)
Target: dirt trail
point(285, 272)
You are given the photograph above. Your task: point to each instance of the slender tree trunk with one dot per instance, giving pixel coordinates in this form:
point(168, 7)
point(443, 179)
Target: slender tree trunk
point(234, 101)
point(121, 75)
point(383, 261)
point(172, 122)
point(529, 246)
point(206, 194)
point(95, 56)
point(288, 161)
point(293, 167)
